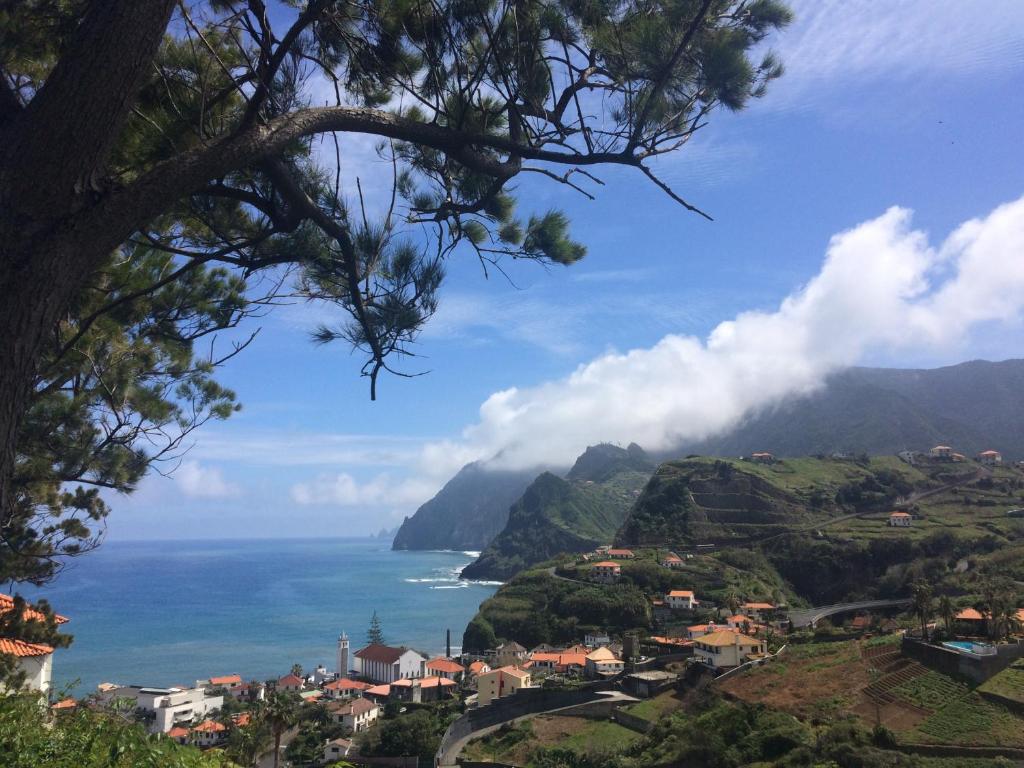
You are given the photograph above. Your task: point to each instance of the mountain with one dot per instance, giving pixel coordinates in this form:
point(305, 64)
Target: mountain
point(877, 411)
point(574, 514)
point(467, 513)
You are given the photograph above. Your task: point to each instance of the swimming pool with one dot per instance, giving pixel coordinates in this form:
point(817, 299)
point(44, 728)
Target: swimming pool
point(966, 646)
point(963, 645)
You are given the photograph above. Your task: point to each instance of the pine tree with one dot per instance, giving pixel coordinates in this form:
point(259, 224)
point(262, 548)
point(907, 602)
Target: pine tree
point(375, 635)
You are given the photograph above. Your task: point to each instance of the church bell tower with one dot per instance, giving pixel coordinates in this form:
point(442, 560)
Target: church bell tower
point(343, 655)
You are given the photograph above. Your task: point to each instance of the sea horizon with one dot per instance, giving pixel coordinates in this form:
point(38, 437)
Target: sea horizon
point(172, 611)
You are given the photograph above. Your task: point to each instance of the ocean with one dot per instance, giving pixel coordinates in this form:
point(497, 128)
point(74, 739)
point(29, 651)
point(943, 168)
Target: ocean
point(171, 612)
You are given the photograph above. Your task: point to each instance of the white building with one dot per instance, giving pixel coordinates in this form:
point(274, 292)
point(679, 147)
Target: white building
point(34, 660)
point(603, 662)
point(384, 664)
point(358, 714)
point(168, 706)
point(596, 639)
point(727, 648)
point(990, 457)
point(900, 520)
point(336, 749)
point(681, 600)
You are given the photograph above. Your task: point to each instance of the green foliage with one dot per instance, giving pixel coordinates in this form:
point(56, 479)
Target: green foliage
point(375, 634)
point(416, 733)
point(86, 739)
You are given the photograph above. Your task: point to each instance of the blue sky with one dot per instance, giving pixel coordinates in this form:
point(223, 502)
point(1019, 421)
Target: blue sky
point(915, 104)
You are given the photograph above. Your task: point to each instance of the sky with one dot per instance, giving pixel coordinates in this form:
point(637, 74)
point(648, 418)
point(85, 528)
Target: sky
point(869, 210)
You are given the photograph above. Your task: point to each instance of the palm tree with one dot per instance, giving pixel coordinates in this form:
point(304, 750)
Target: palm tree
point(948, 613)
point(732, 602)
point(280, 713)
point(246, 743)
point(297, 670)
point(923, 605)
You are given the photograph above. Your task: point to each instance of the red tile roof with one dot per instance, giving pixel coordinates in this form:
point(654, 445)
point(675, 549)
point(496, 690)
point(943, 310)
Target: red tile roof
point(30, 613)
point(177, 732)
point(382, 654)
point(681, 593)
point(477, 666)
point(970, 614)
point(210, 726)
point(344, 684)
point(226, 680)
point(607, 564)
point(356, 707)
point(378, 690)
point(759, 606)
point(64, 704)
point(620, 552)
point(289, 681)
point(12, 647)
point(444, 665)
point(434, 682)
point(242, 719)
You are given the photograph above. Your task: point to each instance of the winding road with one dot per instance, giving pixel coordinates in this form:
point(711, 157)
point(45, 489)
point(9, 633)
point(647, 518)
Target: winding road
point(806, 617)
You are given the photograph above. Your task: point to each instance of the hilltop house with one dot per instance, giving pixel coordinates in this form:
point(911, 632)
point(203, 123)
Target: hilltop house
point(336, 749)
point(343, 688)
point(442, 667)
point(478, 668)
point(681, 600)
point(727, 648)
point(605, 572)
point(510, 653)
point(759, 611)
point(990, 457)
point(35, 660)
point(356, 715)
point(384, 664)
point(602, 662)
point(559, 662)
point(900, 519)
point(501, 682)
point(672, 560)
point(762, 457)
point(973, 620)
point(621, 554)
point(209, 733)
point(943, 452)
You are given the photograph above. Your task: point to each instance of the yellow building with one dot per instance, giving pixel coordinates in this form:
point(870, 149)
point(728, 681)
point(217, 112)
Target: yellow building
point(727, 648)
point(501, 682)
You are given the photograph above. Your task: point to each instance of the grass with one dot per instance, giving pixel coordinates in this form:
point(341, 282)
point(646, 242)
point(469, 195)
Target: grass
point(652, 709)
point(973, 721)
point(600, 736)
point(930, 691)
point(1008, 684)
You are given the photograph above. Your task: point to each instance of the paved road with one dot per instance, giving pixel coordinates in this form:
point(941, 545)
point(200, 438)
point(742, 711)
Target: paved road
point(808, 616)
point(450, 758)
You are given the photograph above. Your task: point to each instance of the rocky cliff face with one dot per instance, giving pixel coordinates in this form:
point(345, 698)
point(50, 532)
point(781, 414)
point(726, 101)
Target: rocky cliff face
point(467, 513)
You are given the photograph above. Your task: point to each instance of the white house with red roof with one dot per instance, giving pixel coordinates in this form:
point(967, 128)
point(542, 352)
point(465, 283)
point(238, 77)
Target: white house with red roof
point(384, 664)
point(681, 600)
point(209, 733)
point(990, 457)
point(621, 554)
point(941, 452)
point(900, 519)
point(344, 689)
point(672, 560)
point(357, 714)
point(34, 660)
point(442, 667)
point(605, 572)
point(336, 749)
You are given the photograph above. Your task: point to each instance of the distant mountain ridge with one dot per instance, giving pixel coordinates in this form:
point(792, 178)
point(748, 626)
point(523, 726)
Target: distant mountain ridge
point(879, 411)
point(467, 513)
point(574, 514)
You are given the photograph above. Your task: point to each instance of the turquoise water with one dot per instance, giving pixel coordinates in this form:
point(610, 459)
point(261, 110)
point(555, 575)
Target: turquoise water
point(166, 613)
point(962, 644)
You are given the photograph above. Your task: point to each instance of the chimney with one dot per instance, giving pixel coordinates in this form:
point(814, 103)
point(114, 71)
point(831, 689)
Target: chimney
point(448, 644)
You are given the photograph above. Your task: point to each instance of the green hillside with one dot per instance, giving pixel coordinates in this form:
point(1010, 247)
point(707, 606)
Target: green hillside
point(575, 514)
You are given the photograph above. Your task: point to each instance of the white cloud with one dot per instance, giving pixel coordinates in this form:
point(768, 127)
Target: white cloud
point(203, 482)
point(834, 42)
point(882, 286)
point(343, 490)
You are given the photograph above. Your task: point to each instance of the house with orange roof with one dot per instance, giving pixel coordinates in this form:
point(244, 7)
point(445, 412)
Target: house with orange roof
point(209, 733)
point(990, 458)
point(603, 663)
point(738, 621)
point(681, 600)
point(559, 662)
point(501, 682)
point(423, 689)
point(356, 715)
point(33, 660)
point(290, 683)
point(605, 572)
point(762, 457)
point(941, 452)
point(726, 648)
point(621, 554)
point(672, 560)
point(972, 618)
point(443, 667)
point(378, 693)
point(64, 705)
point(221, 681)
point(699, 630)
point(900, 519)
point(343, 688)
point(478, 668)
point(179, 734)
